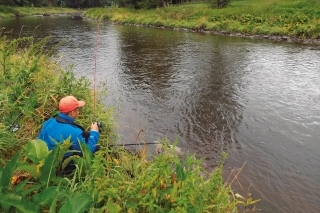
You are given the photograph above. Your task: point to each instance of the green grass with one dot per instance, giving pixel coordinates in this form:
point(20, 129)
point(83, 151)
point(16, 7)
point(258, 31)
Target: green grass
point(42, 10)
point(7, 12)
point(271, 17)
point(31, 87)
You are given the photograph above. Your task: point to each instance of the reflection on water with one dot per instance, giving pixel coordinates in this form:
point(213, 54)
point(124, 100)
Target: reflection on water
point(258, 101)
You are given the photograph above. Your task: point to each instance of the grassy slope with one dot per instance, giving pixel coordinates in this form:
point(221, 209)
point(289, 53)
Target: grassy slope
point(7, 12)
point(293, 18)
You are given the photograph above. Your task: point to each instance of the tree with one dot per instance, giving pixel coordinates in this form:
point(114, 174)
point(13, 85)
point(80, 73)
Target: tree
point(75, 3)
point(8, 2)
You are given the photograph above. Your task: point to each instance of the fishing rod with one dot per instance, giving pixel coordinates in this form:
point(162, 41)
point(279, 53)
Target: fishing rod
point(95, 94)
point(134, 144)
point(95, 76)
point(176, 150)
point(95, 69)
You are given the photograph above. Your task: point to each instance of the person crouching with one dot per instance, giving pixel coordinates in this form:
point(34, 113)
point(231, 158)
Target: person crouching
point(62, 127)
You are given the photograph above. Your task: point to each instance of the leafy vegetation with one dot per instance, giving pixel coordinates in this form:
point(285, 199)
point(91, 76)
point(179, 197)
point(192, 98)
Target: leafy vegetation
point(31, 89)
point(114, 179)
point(59, 3)
point(80, 4)
point(7, 12)
point(298, 18)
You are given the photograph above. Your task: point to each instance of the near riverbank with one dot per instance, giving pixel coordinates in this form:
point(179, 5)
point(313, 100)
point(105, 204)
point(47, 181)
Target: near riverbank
point(286, 20)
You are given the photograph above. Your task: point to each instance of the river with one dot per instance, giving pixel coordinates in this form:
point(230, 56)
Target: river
point(259, 101)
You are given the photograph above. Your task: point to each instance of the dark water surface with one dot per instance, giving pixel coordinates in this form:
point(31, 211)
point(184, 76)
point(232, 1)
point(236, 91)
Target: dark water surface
point(257, 100)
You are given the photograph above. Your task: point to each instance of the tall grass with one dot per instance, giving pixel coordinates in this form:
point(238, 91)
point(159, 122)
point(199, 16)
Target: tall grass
point(31, 88)
point(298, 18)
point(114, 179)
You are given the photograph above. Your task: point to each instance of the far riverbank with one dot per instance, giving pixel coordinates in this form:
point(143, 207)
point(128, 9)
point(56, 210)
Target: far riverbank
point(278, 38)
point(14, 12)
point(285, 21)
point(296, 22)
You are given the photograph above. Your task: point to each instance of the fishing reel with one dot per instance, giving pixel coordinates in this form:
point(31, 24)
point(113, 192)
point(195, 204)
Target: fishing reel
point(100, 125)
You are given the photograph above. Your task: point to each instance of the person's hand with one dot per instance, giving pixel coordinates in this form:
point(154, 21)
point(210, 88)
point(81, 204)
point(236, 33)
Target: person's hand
point(94, 126)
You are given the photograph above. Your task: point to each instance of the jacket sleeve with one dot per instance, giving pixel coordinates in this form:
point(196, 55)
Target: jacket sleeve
point(92, 141)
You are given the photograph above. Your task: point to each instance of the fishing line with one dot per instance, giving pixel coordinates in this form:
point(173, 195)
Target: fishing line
point(95, 70)
point(133, 144)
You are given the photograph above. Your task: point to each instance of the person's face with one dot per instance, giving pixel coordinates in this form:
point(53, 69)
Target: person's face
point(74, 113)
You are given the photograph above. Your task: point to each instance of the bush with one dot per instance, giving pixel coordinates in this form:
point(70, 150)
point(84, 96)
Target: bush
point(5, 9)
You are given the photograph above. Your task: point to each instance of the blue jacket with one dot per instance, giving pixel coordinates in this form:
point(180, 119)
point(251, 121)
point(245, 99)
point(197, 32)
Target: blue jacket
point(53, 131)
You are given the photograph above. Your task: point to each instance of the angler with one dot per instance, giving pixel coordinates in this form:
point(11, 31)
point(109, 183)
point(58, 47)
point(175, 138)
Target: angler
point(57, 130)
